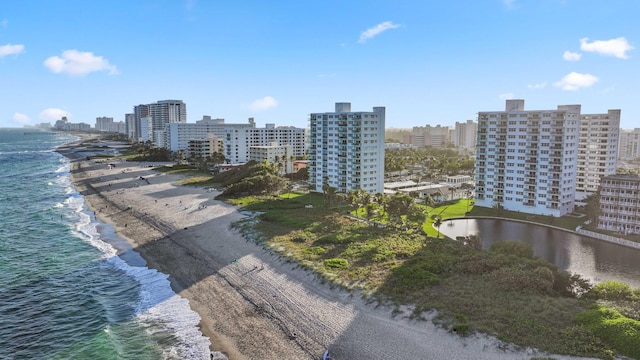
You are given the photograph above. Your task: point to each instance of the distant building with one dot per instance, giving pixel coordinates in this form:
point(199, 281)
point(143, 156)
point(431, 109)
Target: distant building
point(178, 135)
point(597, 151)
point(61, 124)
point(280, 155)
point(346, 149)
point(464, 134)
point(159, 113)
point(620, 203)
point(130, 126)
point(527, 160)
point(629, 148)
point(239, 141)
point(428, 136)
point(64, 124)
point(206, 147)
point(104, 123)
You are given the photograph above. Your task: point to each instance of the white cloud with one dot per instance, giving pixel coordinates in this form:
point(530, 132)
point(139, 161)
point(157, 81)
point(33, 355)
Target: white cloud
point(21, 118)
point(11, 50)
point(265, 103)
point(541, 85)
point(53, 114)
point(376, 30)
point(571, 56)
point(615, 47)
point(4, 23)
point(509, 3)
point(574, 81)
point(74, 62)
point(506, 96)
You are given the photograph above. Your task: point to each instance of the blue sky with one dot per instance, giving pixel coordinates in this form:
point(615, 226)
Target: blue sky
point(429, 62)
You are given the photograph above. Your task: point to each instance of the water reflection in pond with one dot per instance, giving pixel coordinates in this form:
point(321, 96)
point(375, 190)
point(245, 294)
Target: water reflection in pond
point(593, 259)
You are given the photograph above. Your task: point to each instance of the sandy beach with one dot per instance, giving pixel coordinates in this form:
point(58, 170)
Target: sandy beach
point(253, 303)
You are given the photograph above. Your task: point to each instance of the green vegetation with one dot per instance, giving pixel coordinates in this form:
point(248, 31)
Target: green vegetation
point(393, 252)
point(506, 291)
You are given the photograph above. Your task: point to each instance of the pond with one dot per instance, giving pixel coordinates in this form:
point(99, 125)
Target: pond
point(595, 260)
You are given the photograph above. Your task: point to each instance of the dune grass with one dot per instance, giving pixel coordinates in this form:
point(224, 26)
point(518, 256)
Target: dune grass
point(507, 293)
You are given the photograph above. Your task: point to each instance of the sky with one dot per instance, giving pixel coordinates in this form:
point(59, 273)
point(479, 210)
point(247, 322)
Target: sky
point(429, 62)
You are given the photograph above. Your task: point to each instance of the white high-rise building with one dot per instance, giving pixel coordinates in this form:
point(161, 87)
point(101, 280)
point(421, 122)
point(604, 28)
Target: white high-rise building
point(238, 141)
point(464, 134)
point(104, 123)
point(166, 112)
point(597, 151)
point(346, 149)
point(527, 160)
point(178, 135)
point(130, 125)
point(629, 148)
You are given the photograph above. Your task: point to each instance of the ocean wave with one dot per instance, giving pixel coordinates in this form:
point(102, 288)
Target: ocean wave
point(158, 303)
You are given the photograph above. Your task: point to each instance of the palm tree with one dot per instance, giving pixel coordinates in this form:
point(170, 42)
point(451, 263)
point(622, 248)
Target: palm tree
point(437, 224)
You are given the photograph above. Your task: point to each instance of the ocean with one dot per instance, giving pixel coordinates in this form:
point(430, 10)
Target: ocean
point(64, 291)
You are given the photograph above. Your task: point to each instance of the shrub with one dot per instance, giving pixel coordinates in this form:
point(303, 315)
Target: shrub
point(619, 332)
point(611, 290)
point(300, 236)
point(517, 279)
point(315, 250)
point(582, 341)
point(516, 248)
point(568, 284)
point(383, 255)
point(336, 263)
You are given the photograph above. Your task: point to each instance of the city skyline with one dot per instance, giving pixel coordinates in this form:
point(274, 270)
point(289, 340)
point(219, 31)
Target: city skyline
point(425, 63)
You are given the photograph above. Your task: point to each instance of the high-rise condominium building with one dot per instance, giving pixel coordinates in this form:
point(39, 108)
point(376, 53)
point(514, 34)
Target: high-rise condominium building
point(130, 125)
point(159, 113)
point(527, 160)
point(237, 138)
point(464, 134)
point(629, 148)
point(178, 135)
point(104, 123)
point(346, 149)
point(597, 150)
point(239, 141)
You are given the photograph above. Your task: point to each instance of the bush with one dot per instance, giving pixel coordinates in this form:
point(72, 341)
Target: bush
point(411, 277)
point(582, 341)
point(619, 332)
point(516, 248)
point(611, 290)
point(315, 250)
point(516, 279)
point(568, 284)
point(300, 236)
point(336, 263)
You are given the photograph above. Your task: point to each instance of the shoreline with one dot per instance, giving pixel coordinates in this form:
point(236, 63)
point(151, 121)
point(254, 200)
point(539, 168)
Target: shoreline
point(252, 302)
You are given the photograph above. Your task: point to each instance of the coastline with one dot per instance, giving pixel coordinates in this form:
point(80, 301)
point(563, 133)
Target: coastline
point(252, 303)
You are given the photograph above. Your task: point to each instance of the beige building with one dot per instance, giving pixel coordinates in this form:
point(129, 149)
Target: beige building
point(281, 155)
point(206, 147)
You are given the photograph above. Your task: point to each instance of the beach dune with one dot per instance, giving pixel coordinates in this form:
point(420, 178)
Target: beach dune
point(253, 303)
